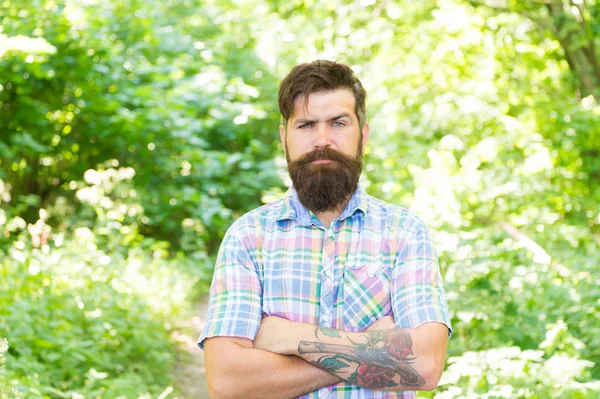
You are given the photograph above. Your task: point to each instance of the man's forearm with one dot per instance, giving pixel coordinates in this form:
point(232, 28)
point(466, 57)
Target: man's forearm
point(255, 373)
point(397, 359)
point(379, 360)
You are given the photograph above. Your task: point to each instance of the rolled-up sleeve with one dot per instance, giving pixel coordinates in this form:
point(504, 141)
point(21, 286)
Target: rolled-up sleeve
point(235, 307)
point(418, 294)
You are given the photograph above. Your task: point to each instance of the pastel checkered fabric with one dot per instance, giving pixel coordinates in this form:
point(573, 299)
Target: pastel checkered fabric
point(375, 259)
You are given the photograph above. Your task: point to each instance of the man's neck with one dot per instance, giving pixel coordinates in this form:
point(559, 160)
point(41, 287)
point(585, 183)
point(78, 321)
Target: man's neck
point(328, 216)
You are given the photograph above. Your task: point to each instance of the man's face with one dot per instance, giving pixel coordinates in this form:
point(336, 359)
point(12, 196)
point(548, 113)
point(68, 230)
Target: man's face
point(323, 146)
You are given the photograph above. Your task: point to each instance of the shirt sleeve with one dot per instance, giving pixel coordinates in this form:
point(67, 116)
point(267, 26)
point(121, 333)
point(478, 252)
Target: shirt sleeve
point(235, 306)
point(418, 294)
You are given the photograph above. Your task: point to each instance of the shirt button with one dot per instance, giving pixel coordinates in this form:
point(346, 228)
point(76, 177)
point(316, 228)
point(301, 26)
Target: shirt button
point(370, 273)
point(327, 273)
point(325, 317)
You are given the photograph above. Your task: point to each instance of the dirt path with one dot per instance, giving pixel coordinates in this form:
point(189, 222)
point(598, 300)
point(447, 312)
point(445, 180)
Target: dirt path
point(189, 369)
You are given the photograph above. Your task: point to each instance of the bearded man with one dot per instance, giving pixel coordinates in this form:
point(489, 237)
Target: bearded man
point(328, 292)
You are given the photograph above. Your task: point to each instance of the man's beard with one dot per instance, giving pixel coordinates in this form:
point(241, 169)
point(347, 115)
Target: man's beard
point(326, 186)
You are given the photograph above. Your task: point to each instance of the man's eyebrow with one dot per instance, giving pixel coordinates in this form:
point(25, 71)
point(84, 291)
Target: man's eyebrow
point(309, 121)
point(340, 116)
point(304, 121)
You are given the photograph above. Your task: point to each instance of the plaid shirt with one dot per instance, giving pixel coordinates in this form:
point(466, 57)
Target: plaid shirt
point(374, 260)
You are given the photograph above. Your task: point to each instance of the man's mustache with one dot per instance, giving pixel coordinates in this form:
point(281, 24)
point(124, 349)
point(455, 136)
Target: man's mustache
point(323, 154)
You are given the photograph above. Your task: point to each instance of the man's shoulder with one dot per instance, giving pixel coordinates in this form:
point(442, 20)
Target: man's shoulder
point(261, 217)
point(394, 217)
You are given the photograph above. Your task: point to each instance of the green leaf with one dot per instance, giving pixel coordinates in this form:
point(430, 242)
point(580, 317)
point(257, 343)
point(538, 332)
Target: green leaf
point(332, 364)
point(352, 379)
point(330, 332)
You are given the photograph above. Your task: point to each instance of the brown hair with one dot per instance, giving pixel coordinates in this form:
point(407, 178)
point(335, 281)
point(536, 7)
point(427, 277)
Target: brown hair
point(320, 76)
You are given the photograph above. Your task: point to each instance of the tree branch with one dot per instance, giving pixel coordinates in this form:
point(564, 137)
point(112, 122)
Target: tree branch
point(529, 244)
point(591, 47)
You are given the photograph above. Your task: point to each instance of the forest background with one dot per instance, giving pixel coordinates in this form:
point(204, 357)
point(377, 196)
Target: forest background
point(133, 133)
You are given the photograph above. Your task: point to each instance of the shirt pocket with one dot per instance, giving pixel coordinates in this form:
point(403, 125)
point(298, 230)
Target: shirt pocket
point(366, 290)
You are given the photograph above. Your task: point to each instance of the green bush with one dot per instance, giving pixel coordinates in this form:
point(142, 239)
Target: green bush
point(510, 372)
point(89, 311)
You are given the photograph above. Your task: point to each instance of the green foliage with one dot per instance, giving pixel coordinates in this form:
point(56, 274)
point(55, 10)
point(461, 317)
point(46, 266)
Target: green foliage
point(6, 391)
point(89, 312)
point(510, 372)
point(133, 133)
point(158, 96)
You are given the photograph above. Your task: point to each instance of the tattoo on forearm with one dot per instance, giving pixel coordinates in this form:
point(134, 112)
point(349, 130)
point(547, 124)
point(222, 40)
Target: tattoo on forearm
point(383, 361)
point(327, 331)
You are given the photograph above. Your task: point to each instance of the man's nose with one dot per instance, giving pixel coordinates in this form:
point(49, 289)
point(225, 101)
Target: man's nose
point(322, 136)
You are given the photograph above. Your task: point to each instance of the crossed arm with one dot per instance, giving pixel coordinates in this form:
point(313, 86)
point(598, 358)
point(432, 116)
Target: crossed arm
point(291, 359)
point(237, 369)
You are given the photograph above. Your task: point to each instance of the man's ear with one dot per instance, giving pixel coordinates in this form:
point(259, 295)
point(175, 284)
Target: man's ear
point(366, 130)
point(282, 134)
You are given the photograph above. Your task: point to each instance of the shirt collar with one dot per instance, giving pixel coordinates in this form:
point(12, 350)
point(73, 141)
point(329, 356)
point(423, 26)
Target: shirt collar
point(292, 208)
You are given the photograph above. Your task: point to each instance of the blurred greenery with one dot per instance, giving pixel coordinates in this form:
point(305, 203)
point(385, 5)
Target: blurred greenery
point(132, 133)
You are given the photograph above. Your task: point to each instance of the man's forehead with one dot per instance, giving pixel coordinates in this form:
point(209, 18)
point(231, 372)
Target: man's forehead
point(324, 104)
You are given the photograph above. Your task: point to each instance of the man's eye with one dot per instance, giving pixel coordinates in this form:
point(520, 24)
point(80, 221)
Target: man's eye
point(338, 123)
point(304, 125)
